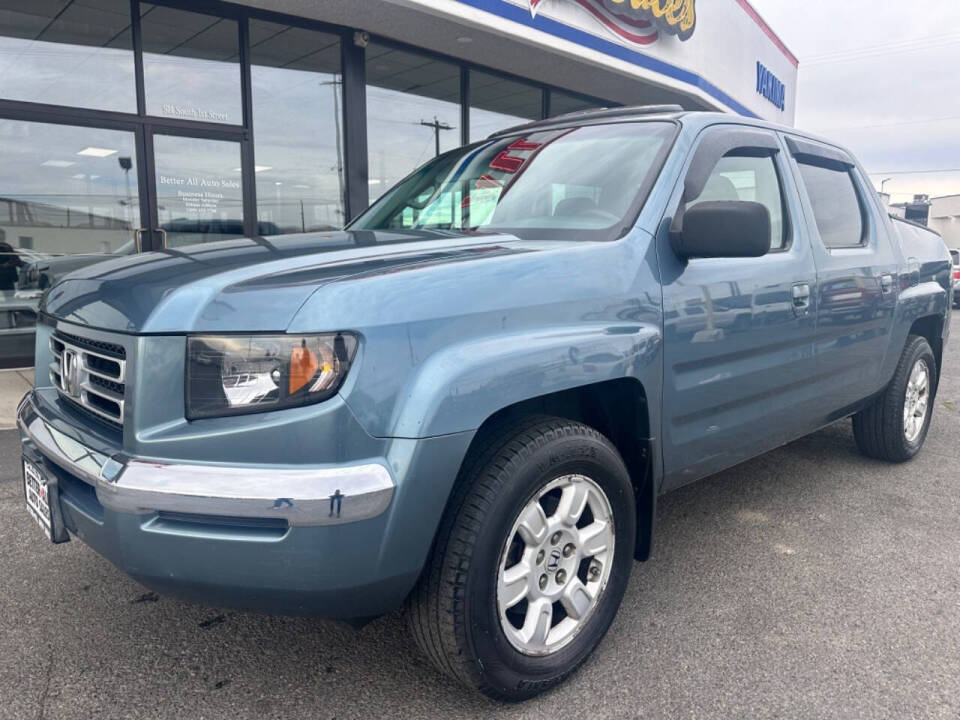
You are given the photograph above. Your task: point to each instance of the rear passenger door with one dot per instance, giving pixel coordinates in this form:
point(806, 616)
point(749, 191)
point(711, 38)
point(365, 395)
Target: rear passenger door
point(738, 332)
point(857, 273)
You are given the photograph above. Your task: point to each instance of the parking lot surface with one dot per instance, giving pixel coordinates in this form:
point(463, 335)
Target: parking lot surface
point(810, 582)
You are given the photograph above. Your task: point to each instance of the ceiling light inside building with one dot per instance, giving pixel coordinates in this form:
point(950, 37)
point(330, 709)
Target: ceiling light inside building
point(58, 163)
point(97, 152)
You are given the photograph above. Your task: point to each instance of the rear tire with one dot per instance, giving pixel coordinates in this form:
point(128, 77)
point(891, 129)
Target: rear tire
point(895, 425)
point(490, 550)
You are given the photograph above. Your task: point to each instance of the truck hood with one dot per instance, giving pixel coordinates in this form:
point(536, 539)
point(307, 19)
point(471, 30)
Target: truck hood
point(249, 284)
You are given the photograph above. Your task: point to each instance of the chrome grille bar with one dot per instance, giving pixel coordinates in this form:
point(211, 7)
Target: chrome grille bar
point(84, 376)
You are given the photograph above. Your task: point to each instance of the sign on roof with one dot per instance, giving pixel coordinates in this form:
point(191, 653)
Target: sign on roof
point(639, 21)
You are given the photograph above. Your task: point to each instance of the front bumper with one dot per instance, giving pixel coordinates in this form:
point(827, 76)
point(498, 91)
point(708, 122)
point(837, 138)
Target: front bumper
point(344, 540)
point(299, 497)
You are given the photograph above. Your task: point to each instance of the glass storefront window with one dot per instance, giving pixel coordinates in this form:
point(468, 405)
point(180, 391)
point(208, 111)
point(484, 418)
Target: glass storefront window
point(497, 103)
point(199, 189)
point(298, 128)
point(66, 190)
point(191, 65)
point(562, 103)
point(68, 52)
point(413, 113)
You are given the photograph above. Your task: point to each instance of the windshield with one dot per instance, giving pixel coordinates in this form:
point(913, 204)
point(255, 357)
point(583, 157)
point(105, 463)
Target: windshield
point(579, 183)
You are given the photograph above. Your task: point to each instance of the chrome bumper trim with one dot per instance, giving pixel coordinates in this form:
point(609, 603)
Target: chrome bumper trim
point(302, 496)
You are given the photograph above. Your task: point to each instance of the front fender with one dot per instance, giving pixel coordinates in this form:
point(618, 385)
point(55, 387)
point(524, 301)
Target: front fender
point(460, 386)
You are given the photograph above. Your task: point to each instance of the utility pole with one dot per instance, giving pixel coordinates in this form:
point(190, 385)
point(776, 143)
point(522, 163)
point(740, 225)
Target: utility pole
point(437, 127)
point(335, 84)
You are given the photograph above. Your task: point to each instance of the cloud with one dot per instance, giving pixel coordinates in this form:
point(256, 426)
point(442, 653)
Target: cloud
point(882, 79)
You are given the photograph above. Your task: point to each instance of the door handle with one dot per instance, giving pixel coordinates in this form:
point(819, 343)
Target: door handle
point(801, 299)
point(886, 284)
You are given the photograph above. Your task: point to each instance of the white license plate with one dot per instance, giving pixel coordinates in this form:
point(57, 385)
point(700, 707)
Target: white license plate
point(38, 497)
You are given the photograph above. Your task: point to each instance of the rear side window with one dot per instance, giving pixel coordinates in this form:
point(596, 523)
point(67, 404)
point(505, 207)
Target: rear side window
point(955, 256)
point(749, 178)
point(836, 205)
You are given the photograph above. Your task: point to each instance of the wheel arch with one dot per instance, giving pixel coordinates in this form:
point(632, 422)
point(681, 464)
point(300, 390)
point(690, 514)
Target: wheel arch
point(930, 327)
point(618, 409)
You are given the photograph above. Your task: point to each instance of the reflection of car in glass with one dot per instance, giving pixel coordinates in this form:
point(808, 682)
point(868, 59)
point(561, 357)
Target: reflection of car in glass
point(18, 321)
point(13, 261)
point(44, 272)
point(470, 400)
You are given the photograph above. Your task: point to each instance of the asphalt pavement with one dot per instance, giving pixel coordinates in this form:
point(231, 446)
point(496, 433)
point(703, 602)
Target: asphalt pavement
point(810, 582)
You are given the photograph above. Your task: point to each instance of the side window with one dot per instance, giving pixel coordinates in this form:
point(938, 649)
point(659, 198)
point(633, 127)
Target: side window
point(836, 205)
point(754, 178)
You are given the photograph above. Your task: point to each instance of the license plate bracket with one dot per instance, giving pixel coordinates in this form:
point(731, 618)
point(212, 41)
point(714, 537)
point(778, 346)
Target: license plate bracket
point(41, 492)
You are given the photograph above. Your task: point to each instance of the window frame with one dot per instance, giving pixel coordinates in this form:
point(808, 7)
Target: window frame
point(810, 152)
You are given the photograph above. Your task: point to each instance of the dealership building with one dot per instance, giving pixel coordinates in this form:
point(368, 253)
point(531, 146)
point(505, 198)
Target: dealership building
point(128, 124)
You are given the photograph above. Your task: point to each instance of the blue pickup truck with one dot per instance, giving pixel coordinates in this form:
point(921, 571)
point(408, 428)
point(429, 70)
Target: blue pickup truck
point(468, 402)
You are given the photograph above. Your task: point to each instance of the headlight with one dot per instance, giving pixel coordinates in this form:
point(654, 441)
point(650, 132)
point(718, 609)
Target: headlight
point(234, 374)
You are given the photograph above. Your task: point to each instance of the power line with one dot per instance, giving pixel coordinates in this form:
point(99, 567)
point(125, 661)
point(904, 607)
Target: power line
point(893, 44)
point(916, 172)
point(890, 124)
point(925, 43)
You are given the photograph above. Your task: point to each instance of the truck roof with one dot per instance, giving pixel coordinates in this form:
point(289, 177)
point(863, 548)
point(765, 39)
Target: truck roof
point(695, 118)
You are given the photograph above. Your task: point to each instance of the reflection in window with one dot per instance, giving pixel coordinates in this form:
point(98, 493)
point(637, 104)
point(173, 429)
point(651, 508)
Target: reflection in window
point(297, 124)
point(566, 183)
point(835, 203)
point(497, 103)
point(562, 103)
point(199, 196)
point(748, 178)
point(65, 190)
point(413, 110)
point(191, 65)
point(68, 52)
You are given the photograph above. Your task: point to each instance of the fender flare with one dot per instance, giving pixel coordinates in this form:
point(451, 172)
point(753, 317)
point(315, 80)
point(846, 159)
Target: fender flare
point(457, 388)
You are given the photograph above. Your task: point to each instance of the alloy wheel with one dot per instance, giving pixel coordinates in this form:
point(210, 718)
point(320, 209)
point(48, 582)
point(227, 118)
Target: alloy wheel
point(555, 564)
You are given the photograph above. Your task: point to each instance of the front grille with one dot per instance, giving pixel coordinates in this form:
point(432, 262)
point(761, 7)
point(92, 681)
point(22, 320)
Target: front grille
point(90, 374)
point(98, 346)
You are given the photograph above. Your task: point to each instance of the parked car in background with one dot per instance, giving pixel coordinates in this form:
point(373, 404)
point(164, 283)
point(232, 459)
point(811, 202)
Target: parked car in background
point(18, 322)
point(955, 257)
point(470, 400)
point(44, 272)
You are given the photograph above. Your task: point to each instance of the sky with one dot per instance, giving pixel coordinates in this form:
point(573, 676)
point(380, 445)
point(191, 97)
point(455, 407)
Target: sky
point(883, 78)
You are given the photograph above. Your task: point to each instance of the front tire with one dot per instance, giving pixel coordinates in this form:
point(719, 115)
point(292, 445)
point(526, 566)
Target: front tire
point(531, 560)
point(895, 425)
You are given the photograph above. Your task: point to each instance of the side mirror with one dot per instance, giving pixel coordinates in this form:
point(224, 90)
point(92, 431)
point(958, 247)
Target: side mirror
point(728, 228)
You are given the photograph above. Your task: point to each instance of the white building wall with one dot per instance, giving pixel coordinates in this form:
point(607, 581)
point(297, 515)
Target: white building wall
point(723, 51)
point(945, 218)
